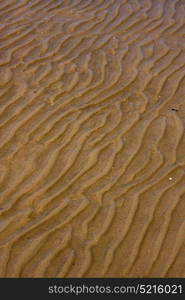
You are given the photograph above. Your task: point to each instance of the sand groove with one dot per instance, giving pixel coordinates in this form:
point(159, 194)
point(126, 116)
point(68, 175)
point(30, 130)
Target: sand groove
point(92, 143)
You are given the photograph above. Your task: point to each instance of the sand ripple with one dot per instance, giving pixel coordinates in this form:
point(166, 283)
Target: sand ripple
point(92, 143)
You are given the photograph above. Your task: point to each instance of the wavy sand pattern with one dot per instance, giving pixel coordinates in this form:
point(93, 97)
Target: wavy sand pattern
point(92, 143)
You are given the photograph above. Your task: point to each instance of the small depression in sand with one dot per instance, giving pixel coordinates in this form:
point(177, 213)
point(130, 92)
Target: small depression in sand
point(92, 138)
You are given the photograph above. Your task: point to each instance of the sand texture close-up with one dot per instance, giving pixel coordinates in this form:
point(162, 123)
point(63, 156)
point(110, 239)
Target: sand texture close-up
point(92, 138)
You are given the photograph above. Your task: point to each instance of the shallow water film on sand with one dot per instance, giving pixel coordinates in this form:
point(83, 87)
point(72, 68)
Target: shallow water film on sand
point(92, 138)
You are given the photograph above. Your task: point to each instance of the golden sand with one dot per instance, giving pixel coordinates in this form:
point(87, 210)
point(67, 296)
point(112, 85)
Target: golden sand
point(92, 138)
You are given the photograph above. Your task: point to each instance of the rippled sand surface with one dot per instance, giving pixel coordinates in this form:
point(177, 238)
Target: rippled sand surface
point(92, 138)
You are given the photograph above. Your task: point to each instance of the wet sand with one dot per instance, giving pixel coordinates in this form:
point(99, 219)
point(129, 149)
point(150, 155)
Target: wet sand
point(92, 138)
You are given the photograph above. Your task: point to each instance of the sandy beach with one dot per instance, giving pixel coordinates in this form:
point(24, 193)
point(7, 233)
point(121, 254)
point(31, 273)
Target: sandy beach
point(92, 138)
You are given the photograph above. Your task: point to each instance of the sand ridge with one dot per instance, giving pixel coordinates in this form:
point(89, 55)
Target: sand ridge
point(92, 143)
